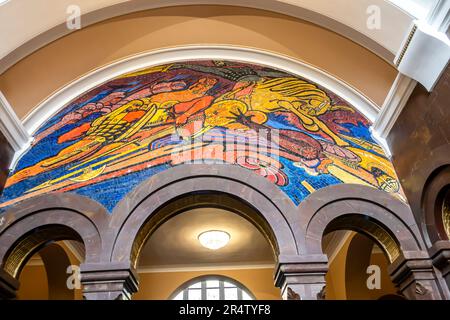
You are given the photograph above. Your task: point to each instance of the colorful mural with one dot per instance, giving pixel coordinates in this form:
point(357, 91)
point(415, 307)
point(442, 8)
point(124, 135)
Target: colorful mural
point(294, 133)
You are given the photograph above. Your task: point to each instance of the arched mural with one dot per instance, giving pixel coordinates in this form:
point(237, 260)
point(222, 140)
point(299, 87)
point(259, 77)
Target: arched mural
point(294, 133)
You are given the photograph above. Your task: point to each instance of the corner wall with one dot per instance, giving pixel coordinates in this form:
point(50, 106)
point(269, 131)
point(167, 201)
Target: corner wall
point(416, 140)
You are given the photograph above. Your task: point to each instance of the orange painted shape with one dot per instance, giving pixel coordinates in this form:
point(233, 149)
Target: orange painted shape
point(74, 133)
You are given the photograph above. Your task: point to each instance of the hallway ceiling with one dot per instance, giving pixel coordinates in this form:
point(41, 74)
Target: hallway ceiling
point(174, 245)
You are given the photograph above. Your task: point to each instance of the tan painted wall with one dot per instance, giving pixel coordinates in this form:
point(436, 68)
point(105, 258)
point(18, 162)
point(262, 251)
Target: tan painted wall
point(337, 278)
point(159, 286)
point(34, 78)
point(387, 287)
point(33, 283)
point(74, 261)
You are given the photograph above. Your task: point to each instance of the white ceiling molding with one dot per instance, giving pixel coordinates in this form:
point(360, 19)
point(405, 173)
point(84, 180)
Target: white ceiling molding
point(11, 126)
point(417, 8)
point(65, 95)
point(392, 107)
point(203, 267)
point(425, 50)
point(425, 54)
point(346, 18)
point(439, 16)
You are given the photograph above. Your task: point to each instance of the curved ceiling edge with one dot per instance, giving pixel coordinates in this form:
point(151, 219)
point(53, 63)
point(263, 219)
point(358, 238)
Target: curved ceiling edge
point(383, 50)
point(62, 97)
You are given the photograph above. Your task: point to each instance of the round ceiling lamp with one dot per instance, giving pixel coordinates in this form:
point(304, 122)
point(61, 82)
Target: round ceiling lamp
point(214, 239)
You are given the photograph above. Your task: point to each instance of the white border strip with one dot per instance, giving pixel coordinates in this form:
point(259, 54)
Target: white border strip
point(396, 100)
point(11, 127)
point(65, 95)
point(202, 267)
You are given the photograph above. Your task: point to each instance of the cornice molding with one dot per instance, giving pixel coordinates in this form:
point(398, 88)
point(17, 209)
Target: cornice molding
point(204, 267)
point(424, 55)
point(11, 126)
point(439, 15)
point(393, 105)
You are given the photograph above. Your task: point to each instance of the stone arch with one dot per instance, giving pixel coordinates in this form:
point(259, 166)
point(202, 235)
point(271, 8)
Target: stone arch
point(429, 180)
point(380, 216)
point(435, 192)
point(275, 211)
point(32, 224)
point(363, 209)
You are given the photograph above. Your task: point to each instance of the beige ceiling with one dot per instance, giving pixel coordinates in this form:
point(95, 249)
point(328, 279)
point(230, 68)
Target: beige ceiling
point(175, 244)
point(345, 17)
point(49, 69)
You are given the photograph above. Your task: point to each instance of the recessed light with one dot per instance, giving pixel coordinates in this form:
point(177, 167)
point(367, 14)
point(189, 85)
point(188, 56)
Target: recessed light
point(214, 239)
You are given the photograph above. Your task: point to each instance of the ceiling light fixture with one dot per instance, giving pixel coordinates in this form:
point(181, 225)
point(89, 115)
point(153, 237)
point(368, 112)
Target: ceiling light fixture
point(214, 239)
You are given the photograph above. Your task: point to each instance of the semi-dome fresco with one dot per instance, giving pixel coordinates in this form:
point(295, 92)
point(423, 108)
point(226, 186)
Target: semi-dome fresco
point(291, 131)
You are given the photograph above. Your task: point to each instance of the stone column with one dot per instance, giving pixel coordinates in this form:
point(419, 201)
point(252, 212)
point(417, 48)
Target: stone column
point(415, 277)
point(8, 285)
point(108, 281)
point(440, 254)
point(302, 277)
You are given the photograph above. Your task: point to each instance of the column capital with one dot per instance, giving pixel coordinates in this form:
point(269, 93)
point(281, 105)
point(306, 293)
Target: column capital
point(440, 254)
point(302, 277)
point(415, 277)
point(108, 281)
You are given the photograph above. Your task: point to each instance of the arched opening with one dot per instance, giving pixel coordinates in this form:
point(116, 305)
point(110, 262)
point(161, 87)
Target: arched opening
point(167, 252)
point(442, 213)
point(51, 273)
point(446, 210)
point(359, 250)
point(358, 268)
point(371, 228)
point(436, 205)
point(46, 261)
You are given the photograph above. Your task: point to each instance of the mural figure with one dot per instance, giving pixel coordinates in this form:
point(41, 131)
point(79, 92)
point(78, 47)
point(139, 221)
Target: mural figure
point(292, 132)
